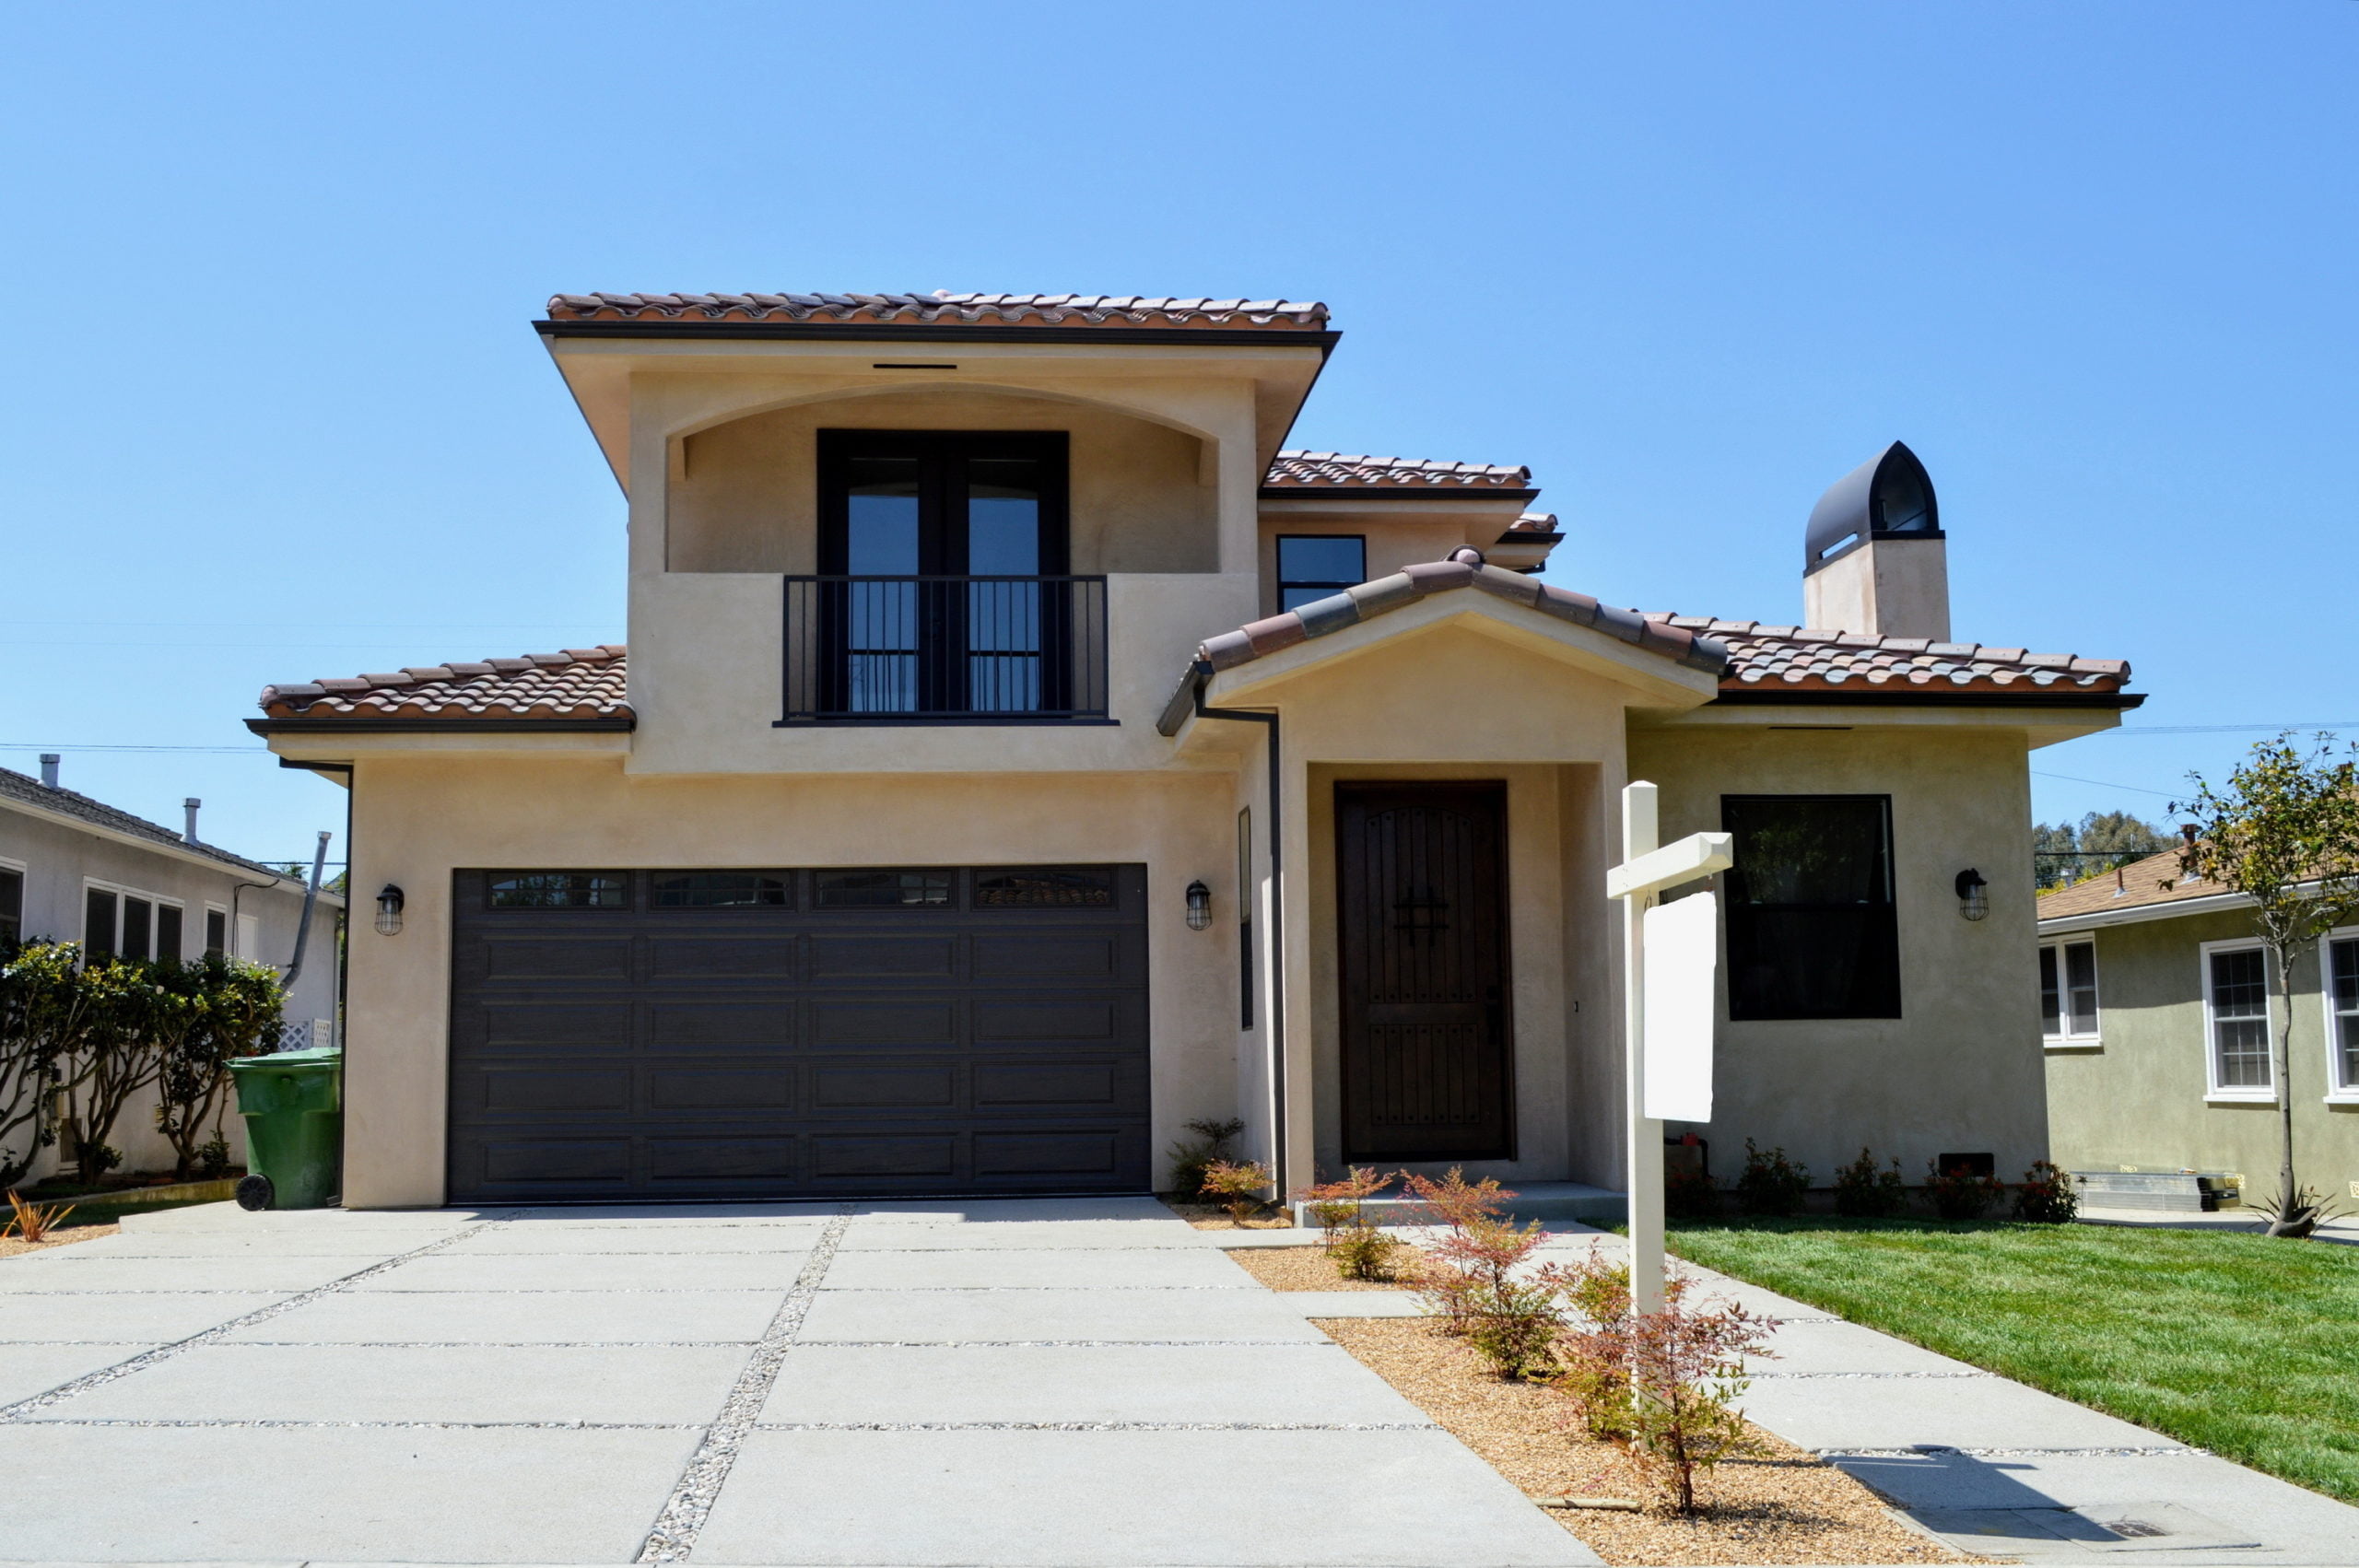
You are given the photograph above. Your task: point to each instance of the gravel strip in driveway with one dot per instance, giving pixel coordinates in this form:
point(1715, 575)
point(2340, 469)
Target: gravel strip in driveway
point(880, 1384)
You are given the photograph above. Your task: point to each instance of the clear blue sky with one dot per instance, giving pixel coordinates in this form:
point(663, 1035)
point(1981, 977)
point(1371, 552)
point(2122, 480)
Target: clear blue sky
point(274, 411)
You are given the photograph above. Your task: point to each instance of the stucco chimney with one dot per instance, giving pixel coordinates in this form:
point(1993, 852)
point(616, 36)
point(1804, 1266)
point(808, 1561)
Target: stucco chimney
point(1874, 559)
point(49, 769)
point(189, 807)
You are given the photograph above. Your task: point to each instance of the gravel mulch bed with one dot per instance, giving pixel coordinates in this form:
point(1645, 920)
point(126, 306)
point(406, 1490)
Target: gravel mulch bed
point(10, 1246)
point(1209, 1217)
point(1785, 1506)
point(1300, 1268)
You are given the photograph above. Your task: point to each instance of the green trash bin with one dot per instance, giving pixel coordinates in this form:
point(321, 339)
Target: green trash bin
point(293, 1103)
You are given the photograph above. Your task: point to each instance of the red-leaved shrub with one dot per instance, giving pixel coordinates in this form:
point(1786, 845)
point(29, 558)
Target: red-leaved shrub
point(1467, 1274)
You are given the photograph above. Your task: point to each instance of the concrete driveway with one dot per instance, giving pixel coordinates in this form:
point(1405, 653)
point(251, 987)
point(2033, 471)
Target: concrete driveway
point(1050, 1382)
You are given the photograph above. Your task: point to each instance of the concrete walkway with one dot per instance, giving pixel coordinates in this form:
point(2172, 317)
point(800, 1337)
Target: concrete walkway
point(1991, 1466)
point(1021, 1383)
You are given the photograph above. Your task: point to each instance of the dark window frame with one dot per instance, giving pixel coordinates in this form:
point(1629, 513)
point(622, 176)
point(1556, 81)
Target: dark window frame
point(171, 931)
point(1317, 588)
point(491, 891)
point(102, 945)
point(819, 890)
point(216, 932)
point(1873, 942)
point(942, 543)
point(784, 879)
point(1245, 897)
point(1105, 882)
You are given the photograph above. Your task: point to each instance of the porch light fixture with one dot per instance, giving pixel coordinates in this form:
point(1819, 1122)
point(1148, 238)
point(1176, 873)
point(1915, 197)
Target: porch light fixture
point(389, 910)
point(1972, 897)
point(1200, 905)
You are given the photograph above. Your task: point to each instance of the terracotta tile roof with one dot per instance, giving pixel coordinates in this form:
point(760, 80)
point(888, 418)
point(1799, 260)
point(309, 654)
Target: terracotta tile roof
point(580, 683)
point(943, 308)
point(1369, 600)
point(1767, 658)
point(2154, 880)
point(1308, 470)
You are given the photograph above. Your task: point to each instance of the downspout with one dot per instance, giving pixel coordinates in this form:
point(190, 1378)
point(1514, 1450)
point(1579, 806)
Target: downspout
point(311, 901)
point(1201, 677)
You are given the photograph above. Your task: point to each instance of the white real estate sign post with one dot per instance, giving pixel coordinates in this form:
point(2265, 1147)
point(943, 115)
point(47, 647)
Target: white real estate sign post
point(1668, 955)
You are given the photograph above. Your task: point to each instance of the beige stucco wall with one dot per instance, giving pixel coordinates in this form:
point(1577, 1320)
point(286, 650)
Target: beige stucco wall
point(418, 817)
point(2138, 1098)
point(1961, 1069)
point(745, 498)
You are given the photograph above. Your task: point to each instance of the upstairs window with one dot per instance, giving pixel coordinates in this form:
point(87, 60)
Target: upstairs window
point(2236, 1007)
point(1811, 925)
point(12, 906)
point(1316, 565)
point(2068, 992)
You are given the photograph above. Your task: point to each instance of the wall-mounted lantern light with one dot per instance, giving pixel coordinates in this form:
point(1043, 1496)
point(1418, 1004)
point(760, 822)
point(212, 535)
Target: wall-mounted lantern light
point(1200, 905)
point(1973, 895)
point(389, 910)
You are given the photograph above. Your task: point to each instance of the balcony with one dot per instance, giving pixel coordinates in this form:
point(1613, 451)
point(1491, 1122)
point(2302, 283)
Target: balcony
point(945, 651)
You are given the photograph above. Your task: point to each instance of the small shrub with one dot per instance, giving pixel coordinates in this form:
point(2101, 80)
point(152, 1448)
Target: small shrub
point(31, 1221)
point(1236, 1189)
point(1959, 1194)
point(2047, 1195)
point(1192, 1157)
point(98, 1159)
point(1771, 1183)
point(1866, 1192)
point(213, 1158)
point(1661, 1385)
point(1359, 1250)
point(1689, 1195)
point(1467, 1275)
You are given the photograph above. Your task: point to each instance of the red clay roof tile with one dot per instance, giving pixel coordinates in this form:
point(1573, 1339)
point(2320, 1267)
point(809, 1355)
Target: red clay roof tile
point(943, 308)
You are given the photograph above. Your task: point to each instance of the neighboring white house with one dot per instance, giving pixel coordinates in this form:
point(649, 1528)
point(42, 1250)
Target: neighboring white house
point(73, 868)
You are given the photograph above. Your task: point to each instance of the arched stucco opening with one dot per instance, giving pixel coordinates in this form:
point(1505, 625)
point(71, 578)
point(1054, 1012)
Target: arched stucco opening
point(743, 494)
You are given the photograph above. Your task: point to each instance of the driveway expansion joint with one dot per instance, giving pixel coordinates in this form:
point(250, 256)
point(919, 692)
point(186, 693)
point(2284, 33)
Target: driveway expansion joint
point(17, 1412)
point(682, 1518)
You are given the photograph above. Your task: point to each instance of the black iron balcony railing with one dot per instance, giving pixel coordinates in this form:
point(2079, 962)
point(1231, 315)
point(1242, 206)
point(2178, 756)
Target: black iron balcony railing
point(944, 649)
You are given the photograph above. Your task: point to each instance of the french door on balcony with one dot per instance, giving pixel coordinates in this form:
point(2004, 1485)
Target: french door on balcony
point(942, 561)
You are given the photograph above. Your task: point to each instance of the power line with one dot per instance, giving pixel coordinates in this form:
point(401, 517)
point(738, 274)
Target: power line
point(2107, 784)
point(256, 749)
point(2229, 729)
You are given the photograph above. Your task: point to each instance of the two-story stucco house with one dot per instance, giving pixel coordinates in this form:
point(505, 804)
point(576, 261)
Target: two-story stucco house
point(1019, 753)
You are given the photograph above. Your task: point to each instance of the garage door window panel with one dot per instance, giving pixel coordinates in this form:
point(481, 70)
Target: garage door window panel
point(560, 890)
point(1045, 887)
point(886, 890)
point(723, 890)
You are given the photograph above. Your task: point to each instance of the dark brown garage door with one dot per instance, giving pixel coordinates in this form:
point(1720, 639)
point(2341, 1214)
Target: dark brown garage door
point(780, 1033)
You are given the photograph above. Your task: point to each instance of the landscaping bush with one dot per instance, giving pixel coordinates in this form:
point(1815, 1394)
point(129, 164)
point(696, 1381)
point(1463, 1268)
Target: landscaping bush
point(1689, 1195)
point(2047, 1195)
point(1467, 1275)
point(1770, 1183)
point(1359, 1250)
point(213, 1158)
point(1663, 1384)
point(1864, 1191)
point(102, 1032)
point(1192, 1157)
point(1959, 1194)
point(1236, 1189)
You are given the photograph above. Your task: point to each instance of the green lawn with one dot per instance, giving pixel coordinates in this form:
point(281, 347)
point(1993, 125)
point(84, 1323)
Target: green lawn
point(2239, 1344)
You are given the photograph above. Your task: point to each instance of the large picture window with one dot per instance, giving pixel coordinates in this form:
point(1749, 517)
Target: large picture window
point(2236, 1008)
point(1811, 925)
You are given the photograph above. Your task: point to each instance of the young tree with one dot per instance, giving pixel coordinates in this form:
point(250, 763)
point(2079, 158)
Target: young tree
point(2284, 832)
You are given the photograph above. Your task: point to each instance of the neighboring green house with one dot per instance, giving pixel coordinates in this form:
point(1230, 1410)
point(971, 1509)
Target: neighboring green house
point(2158, 1008)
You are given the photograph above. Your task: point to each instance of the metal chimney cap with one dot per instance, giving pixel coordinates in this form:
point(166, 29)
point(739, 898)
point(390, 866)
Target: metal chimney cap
point(1888, 496)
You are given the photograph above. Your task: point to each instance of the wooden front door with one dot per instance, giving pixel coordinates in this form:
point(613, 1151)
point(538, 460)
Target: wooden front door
point(1422, 930)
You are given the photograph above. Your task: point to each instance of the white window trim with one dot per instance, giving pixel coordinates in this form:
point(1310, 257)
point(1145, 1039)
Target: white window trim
point(2213, 1094)
point(2337, 1092)
point(121, 891)
point(2068, 1041)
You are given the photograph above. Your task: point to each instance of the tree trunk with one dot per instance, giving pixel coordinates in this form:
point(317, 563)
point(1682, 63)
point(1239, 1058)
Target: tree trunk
point(2293, 1217)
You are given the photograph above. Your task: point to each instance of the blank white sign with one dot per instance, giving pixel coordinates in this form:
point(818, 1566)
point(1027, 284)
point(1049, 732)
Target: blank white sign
point(1682, 952)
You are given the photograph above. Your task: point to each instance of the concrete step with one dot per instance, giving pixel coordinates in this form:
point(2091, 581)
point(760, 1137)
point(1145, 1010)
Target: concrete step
point(1532, 1200)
